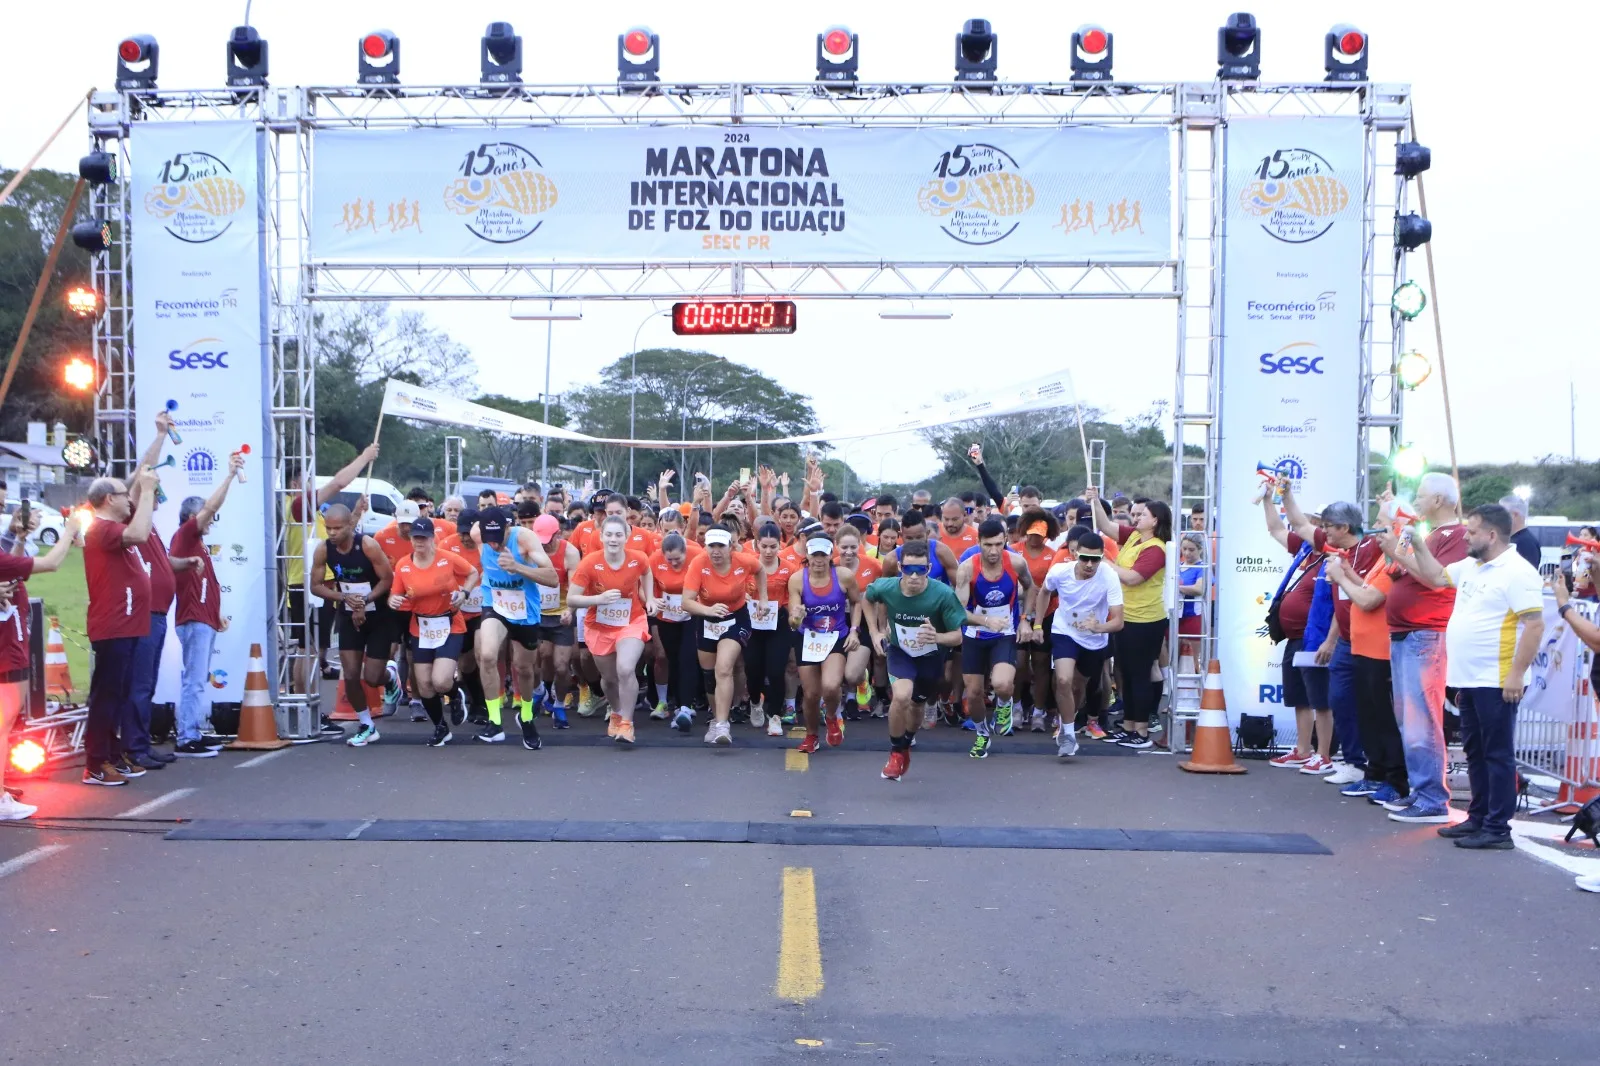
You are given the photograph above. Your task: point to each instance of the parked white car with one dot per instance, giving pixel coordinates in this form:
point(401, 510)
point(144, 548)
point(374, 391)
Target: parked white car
point(51, 523)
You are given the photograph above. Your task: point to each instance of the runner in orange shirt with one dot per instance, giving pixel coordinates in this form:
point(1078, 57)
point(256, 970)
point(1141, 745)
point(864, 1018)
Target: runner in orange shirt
point(714, 592)
point(954, 529)
point(616, 588)
point(669, 566)
point(1036, 684)
point(432, 585)
point(766, 657)
point(858, 662)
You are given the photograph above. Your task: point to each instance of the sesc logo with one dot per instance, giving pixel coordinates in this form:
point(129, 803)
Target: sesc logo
point(199, 354)
point(1301, 357)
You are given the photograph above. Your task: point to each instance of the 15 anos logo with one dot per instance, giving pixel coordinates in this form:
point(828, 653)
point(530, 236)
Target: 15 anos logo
point(978, 194)
point(195, 196)
point(1296, 194)
point(1301, 357)
point(501, 193)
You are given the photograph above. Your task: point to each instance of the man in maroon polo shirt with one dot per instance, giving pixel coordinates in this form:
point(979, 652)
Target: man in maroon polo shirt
point(199, 613)
point(15, 567)
point(119, 614)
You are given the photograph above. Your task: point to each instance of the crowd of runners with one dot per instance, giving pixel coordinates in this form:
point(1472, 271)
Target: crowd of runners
point(985, 612)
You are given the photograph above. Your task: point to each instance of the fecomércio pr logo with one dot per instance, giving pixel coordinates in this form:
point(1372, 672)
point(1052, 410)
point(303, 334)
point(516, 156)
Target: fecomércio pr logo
point(196, 197)
point(977, 194)
point(1296, 194)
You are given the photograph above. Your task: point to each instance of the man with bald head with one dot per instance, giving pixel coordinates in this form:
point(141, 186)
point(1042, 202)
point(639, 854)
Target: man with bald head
point(360, 587)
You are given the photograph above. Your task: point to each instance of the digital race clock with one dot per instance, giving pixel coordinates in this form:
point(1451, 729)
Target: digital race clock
point(733, 316)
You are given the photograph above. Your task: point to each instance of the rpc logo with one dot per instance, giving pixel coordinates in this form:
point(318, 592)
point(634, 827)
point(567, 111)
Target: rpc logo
point(1269, 694)
point(196, 356)
point(1301, 357)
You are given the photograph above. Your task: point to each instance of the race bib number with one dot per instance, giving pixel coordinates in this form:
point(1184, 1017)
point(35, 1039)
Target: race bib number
point(549, 599)
point(355, 588)
point(674, 612)
point(764, 617)
point(814, 647)
point(1002, 612)
point(715, 630)
point(474, 600)
point(510, 604)
point(614, 614)
point(433, 632)
point(910, 640)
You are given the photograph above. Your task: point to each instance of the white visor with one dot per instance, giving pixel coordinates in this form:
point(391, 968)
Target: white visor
point(819, 546)
point(718, 536)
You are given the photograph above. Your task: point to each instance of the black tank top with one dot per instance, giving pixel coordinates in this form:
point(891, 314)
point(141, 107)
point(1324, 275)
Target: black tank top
point(352, 565)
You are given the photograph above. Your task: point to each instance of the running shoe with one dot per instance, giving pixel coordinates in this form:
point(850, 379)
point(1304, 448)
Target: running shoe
point(1002, 719)
point(330, 728)
point(863, 693)
point(789, 717)
point(127, 767)
point(441, 736)
point(624, 733)
point(1386, 793)
point(774, 726)
point(417, 713)
point(530, 736)
point(589, 704)
point(492, 734)
point(1066, 742)
point(197, 749)
point(1399, 803)
point(969, 725)
point(810, 744)
point(1036, 721)
point(853, 711)
point(558, 715)
point(391, 685)
point(661, 714)
point(1115, 736)
point(364, 736)
point(1317, 765)
point(1292, 760)
point(980, 747)
point(12, 811)
point(613, 720)
point(930, 715)
point(107, 775)
point(835, 732)
point(740, 712)
point(954, 717)
point(899, 762)
point(1421, 812)
point(1093, 729)
point(719, 733)
point(758, 715)
point(1361, 787)
point(1136, 742)
point(457, 708)
point(683, 721)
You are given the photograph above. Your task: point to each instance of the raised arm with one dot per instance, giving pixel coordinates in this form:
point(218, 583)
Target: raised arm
point(213, 502)
point(1303, 527)
point(137, 531)
point(1102, 521)
point(975, 453)
point(346, 474)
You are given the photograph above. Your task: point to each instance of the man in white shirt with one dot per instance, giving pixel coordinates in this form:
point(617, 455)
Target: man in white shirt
point(1090, 607)
point(1497, 593)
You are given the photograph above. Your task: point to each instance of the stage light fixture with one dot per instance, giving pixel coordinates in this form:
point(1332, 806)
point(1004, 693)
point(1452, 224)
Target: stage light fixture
point(1408, 300)
point(78, 373)
point(1408, 462)
point(638, 58)
point(1412, 369)
point(98, 168)
point(27, 756)
point(93, 236)
point(1412, 231)
point(1344, 53)
point(837, 56)
point(501, 58)
point(83, 301)
point(247, 58)
point(1239, 48)
point(79, 454)
point(1091, 54)
point(138, 62)
point(977, 51)
point(1411, 159)
point(378, 59)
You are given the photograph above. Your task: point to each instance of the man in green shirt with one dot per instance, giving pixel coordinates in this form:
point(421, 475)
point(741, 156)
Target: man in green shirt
point(913, 622)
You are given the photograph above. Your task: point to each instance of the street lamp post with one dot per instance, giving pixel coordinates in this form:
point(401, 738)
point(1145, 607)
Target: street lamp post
point(549, 316)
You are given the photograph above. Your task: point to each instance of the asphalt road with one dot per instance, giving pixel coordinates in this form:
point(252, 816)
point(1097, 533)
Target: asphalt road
point(124, 945)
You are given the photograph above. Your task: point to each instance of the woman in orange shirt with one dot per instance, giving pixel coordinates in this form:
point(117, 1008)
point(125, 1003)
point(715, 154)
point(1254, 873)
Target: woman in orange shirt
point(714, 592)
point(766, 657)
point(431, 585)
point(617, 590)
point(859, 659)
point(669, 565)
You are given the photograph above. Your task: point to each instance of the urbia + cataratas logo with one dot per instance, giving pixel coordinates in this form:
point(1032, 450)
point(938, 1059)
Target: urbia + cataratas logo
point(977, 195)
point(196, 197)
point(1296, 194)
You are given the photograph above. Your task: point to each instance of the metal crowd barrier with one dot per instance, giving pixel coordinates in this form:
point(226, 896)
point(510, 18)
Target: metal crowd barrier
point(1566, 750)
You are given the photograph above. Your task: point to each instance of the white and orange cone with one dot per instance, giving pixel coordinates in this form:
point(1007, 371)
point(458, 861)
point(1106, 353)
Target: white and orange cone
point(1213, 742)
point(258, 722)
point(57, 677)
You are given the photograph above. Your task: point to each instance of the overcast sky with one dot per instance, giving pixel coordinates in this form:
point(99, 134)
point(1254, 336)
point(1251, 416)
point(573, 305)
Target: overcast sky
point(1512, 255)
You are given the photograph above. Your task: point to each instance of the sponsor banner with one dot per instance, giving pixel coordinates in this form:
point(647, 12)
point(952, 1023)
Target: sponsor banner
point(1561, 665)
point(1291, 367)
point(405, 400)
point(199, 340)
point(750, 193)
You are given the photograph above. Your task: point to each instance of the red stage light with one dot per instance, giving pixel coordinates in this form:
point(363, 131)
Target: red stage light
point(130, 51)
point(374, 45)
point(1352, 42)
point(1093, 41)
point(27, 756)
point(636, 43)
point(837, 43)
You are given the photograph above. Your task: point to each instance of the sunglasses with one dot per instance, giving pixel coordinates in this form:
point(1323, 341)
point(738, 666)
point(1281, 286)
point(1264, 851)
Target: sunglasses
point(914, 570)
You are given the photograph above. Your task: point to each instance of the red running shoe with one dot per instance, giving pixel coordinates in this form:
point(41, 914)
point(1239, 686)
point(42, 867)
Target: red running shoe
point(809, 744)
point(899, 762)
point(835, 732)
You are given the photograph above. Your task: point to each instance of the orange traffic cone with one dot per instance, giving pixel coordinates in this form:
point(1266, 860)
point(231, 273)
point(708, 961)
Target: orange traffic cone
point(57, 678)
point(1213, 746)
point(258, 722)
point(344, 712)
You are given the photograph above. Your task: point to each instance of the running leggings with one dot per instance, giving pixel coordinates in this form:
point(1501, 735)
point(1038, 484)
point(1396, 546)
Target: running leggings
point(679, 640)
point(1138, 647)
point(765, 659)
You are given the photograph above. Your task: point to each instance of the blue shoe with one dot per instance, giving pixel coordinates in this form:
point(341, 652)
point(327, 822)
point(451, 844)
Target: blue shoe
point(558, 712)
point(1399, 803)
point(1421, 812)
point(969, 724)
point(1385, 794)
point(683, 721)
point(1362, 788)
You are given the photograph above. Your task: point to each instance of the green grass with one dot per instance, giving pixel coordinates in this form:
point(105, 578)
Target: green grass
point(66, 596)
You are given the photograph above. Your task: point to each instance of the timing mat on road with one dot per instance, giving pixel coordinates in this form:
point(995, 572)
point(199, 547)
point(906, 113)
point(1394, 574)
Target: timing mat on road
point(795, 833)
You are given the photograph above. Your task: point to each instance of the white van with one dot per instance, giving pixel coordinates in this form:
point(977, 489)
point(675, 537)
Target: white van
point(383, 497)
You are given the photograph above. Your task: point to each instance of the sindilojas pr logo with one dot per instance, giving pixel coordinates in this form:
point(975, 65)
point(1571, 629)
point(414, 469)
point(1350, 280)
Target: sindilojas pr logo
point(196, 198)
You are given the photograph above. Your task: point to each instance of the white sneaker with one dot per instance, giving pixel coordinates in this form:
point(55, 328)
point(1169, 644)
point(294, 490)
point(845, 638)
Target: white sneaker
point(1345, 774)
point(1589, 882)
point(758, 716)
point(13, 810)
point(1317, 766)
point(1036, 721)
point(774, 726)
point(1066, 741)
point(930, 715)
point(724, 734)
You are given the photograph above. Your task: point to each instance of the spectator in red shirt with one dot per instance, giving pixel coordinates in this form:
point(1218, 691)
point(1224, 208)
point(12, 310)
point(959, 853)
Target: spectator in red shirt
point(119, 614)
point(15, 567)
point(199, 613)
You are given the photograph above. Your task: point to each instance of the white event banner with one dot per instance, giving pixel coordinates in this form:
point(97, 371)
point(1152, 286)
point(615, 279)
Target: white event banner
point(200, 340)
point(1291, 366)
point(404, 400)
point(752, 193)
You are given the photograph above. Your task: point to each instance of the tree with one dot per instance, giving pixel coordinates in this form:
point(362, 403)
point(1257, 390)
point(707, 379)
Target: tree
point(1485, 488)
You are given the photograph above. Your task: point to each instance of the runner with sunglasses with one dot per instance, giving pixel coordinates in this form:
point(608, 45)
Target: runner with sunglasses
point(824, 606)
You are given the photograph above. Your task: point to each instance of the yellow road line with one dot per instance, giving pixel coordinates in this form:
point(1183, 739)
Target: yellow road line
point(799, 950)
point(797, 761)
